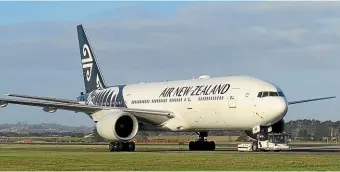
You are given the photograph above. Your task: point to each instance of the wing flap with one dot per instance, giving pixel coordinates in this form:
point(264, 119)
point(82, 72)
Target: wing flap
point(309, 100)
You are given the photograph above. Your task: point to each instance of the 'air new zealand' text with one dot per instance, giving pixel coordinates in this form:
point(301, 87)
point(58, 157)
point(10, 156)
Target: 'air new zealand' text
point(195, 90)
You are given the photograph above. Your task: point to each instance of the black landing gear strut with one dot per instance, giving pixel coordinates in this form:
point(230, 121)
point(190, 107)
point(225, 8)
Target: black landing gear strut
point(201, 143)
point(122, 146)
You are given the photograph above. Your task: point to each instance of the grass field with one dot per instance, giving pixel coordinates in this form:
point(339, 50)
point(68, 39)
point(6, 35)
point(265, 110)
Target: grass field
point(94, 157)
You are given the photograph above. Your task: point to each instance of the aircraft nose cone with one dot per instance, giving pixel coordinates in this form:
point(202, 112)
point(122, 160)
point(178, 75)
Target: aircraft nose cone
point(277, 109)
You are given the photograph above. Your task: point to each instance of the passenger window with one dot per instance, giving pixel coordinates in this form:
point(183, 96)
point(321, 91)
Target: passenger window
point(260, 94)
point(265, 94)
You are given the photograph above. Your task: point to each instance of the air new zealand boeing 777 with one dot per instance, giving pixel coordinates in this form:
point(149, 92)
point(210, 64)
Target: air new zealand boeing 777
point(196, 105)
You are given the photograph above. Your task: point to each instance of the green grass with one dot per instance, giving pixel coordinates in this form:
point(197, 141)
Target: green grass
point(94, 157)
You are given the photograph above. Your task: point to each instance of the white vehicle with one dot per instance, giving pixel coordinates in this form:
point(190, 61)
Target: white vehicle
point(273, 142)
point(194, 105)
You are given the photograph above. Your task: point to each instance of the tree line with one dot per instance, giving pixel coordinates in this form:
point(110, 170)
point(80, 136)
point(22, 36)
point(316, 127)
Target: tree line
point(304, 129)
point(313, 129)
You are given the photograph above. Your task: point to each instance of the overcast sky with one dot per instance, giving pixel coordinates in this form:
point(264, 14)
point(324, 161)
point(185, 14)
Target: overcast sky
point(295, 45)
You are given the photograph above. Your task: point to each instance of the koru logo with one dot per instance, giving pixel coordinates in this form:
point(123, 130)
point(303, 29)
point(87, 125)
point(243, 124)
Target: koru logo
point(99, 84)
point(87, 61)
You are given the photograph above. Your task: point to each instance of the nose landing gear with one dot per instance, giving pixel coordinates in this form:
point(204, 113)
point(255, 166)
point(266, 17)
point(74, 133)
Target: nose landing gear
point(202, 143)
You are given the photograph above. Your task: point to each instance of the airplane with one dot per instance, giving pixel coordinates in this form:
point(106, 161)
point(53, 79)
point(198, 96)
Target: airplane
point(199, 105)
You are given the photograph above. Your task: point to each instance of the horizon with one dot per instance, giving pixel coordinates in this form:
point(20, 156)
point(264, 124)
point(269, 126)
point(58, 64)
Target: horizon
point(286, 121)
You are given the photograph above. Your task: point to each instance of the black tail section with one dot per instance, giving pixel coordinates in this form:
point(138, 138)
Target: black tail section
point(93, 78)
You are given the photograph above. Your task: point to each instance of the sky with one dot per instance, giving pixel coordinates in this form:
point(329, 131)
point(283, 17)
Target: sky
point(295, 45)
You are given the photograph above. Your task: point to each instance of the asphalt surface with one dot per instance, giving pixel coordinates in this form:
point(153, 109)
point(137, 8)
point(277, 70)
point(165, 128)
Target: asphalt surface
point(317, 145)
point(221, 148)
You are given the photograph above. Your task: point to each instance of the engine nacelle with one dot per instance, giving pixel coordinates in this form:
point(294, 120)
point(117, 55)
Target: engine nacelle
point(278, 127)
point(117, 126)
point(50, 109)
point(3, 104)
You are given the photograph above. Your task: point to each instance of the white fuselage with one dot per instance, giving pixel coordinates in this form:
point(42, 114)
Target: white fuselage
point(206, 104)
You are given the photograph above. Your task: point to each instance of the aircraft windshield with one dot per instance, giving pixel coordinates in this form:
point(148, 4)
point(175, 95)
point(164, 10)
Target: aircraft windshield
point(270, 94)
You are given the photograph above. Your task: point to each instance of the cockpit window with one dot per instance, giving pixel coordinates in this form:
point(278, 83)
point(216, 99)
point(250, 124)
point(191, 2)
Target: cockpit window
point(281, 94)
point(265, 94)
point(273, 94)
point(270, 94)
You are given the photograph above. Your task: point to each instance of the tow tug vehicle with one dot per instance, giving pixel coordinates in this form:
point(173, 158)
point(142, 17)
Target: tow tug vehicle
point(271, 142)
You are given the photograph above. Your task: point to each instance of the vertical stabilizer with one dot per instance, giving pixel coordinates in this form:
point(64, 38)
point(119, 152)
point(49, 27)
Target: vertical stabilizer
point(93, 78)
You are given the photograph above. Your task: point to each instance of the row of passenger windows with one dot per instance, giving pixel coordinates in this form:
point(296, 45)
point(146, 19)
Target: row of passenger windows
point(211, 98)
point(148, 101)
point(176, 100)
point(140, 101)
point(270, 94)
point(157, 101)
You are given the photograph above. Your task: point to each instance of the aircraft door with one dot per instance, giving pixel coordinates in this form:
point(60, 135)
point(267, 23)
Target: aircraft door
point(233, 98)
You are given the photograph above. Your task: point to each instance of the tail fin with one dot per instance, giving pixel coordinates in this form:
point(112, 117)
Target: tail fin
point(93, 78)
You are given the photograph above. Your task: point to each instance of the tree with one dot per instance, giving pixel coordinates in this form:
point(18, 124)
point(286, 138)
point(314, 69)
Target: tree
point(304, 135)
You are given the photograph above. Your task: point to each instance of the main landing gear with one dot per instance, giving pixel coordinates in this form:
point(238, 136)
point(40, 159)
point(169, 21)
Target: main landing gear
point(122, 146)
point(201, 143)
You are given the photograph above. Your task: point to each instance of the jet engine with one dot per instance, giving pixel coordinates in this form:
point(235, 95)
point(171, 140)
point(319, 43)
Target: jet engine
point(276, 128)
point(49, 109)
point(117, 126)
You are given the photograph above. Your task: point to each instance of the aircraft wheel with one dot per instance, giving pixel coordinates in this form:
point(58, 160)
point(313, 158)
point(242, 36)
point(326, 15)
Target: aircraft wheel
point(111, 147)
point(191, 145)
point(131, 146)
point(199, 145)
point(202, 145)
point(254, 146)
point(212, 145)
point(119, 146)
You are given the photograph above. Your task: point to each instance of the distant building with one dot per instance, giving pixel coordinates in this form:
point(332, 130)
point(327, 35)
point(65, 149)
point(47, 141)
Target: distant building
point(88, 136)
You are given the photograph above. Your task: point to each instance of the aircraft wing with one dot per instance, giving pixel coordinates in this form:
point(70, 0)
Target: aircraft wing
point(309, 100)
point(154, 117)
point(43, 98)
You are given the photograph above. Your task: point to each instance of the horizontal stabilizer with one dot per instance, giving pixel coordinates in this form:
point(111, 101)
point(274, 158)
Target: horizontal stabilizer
point(309, 100)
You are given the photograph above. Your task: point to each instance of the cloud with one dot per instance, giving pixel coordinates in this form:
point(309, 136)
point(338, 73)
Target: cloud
point(279, 41)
